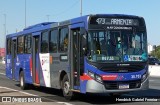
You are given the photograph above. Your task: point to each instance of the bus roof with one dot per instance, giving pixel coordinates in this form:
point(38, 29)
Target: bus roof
point(48, 25)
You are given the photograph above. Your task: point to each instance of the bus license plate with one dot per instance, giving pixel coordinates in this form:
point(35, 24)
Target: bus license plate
point(123, 86)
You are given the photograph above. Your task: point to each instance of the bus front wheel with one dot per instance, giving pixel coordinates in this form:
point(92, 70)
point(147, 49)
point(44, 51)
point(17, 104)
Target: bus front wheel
point(23, 85)
point(67, 93)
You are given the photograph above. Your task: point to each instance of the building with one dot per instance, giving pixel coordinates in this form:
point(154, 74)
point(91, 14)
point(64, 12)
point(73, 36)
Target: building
point(151, 48)
point(2, 52)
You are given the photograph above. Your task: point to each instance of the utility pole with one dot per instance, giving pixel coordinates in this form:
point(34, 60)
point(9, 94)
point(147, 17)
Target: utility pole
point(47, 18)
point(81, 9)
point(154, 46)
point(25, 13)
point(4, 24)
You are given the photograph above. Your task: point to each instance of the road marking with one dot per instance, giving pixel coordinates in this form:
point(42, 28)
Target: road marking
point(151, 80)
point(65, 103)
point(18, 91)
point(2, 73)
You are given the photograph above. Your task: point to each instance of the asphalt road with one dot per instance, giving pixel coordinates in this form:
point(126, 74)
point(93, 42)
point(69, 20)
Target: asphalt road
point(54, 95)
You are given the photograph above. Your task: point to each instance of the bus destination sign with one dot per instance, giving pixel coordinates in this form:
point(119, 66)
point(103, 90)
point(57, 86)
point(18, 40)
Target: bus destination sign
point(115, 21)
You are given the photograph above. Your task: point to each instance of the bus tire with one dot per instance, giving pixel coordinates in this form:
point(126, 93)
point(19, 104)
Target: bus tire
point(22, 83)
point(69, 95)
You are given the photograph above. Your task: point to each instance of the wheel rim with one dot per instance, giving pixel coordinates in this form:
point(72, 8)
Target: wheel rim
point(21, 81)
point(66, 87)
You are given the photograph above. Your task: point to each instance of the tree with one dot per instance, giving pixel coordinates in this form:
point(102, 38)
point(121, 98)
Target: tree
point(156, 52)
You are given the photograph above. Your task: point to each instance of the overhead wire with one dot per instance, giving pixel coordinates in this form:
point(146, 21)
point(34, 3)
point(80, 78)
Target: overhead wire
point(66, 10)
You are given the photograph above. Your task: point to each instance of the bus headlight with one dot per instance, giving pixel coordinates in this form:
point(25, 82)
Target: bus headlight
point(144, 77)
point(95, 76)
point(91, 74)
point(98, 78)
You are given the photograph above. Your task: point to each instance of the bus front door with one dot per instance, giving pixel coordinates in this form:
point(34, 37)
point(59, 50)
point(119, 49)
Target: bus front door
point(35, 61)
point(14, 54)
point(75, 58)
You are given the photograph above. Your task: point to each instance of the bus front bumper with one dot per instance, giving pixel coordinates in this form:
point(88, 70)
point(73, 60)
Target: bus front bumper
point(96, 87)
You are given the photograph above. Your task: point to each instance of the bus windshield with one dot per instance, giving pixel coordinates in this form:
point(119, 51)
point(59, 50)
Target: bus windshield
point(117, 46)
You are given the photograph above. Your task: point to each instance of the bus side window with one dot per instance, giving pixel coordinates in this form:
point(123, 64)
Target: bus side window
point(44, 42)
point(20, 44)
point(8, 46)
point(53, 38)
point(28, 44)
point(63, 44)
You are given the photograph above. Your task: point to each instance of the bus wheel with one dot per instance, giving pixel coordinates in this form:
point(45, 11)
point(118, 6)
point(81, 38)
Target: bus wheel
point(66, 88)
point(23, 85)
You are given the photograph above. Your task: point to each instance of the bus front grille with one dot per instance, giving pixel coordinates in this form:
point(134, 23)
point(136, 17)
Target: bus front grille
point(122, 69)
point(112, 85)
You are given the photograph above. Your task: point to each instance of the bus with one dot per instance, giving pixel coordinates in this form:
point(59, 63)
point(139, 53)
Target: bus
point(98, 53)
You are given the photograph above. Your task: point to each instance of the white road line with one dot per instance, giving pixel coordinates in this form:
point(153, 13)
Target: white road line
point(2, 73)
point(151, 80)
point(18, 91)
point(65, 103)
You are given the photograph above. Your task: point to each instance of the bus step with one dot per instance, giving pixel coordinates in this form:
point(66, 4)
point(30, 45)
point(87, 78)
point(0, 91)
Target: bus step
point(75, 90)
point(35, 84)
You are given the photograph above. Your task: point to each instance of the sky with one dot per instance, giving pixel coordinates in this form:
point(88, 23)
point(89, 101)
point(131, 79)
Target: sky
point(38, 11)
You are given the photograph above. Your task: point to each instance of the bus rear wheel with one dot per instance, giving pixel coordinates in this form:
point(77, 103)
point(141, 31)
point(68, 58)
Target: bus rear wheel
point(23, 85)
point(67, 93)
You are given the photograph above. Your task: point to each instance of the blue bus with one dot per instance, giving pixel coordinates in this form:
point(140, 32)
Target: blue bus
point(101, 53)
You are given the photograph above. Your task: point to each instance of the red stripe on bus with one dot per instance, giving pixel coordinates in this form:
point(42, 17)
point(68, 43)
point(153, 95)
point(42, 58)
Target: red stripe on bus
point(37, 77)
point(85, 77)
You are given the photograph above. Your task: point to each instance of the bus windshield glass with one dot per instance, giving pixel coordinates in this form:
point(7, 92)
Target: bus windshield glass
point(117, 46)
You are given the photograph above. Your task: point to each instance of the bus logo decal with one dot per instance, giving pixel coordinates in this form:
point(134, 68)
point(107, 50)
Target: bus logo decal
point(44, 61)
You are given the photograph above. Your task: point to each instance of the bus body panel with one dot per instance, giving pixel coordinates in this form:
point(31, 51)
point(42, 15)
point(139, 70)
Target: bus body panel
point(60, 62)
point(93, 86)
point(9, 66)
point(45, 67)
point(22, 62)
point(55, 70)
point(88, 84)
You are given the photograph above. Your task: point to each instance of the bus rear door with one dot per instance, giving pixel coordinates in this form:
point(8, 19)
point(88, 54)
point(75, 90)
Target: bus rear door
point(14, 55)
point(35, 59)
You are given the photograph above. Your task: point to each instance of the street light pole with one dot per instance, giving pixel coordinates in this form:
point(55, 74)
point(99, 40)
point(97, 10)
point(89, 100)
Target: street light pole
point(25, 13)
point(81, 8)
point(4, 24)
point(48, 17)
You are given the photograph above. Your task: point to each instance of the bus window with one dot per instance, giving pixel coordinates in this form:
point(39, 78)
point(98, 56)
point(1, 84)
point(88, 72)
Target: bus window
point(44, 42)
point(63, 47)
point(20, 44)
point(53, 41)
point(27, 46)
point(8, 46)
